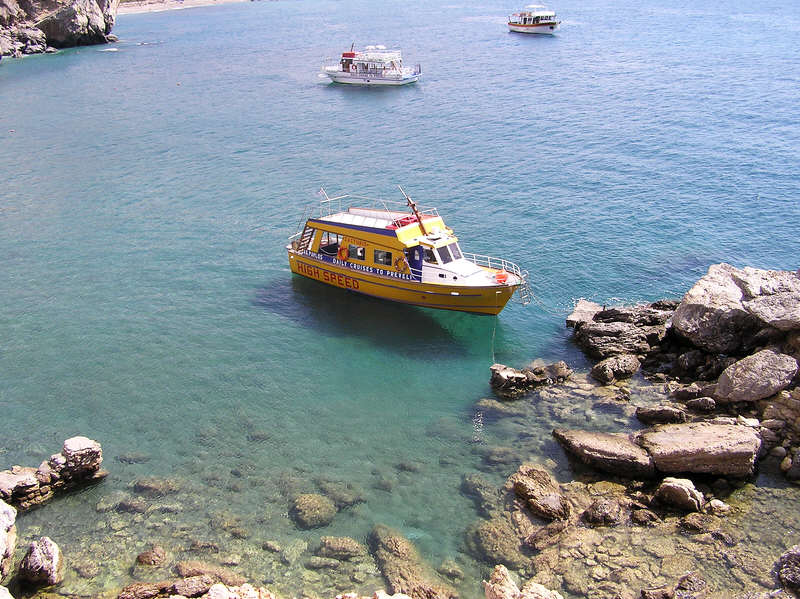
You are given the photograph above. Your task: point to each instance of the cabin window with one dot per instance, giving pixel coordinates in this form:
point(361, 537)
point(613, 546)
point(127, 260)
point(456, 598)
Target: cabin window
point(382, 257)
point(356, 252)
point(430, 258)
point(329, 244)
point(444, 254)
point(455, 250)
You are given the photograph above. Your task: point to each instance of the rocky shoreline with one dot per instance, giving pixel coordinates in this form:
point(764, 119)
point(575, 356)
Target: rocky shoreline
point(701, 394)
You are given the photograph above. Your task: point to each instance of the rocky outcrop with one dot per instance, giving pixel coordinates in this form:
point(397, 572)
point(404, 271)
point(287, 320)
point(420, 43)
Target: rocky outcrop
point(403, 568)
point(540, 492)
point(624, 330)
point(727, 308)
point(8, 537)
point(77, 464)
point(509, 382)
point(721, 449)
point(43, 564)
point(31, 27)
point(616, 453)
point(755, 377)
point(583, 311)
point(501, 586)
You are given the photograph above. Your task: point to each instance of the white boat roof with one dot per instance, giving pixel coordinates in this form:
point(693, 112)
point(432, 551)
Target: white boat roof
point(364, 217)
point(377, 55)
point(537, 10)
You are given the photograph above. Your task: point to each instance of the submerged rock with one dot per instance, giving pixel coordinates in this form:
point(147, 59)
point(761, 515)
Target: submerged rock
point(403, 568)
point(509, 382)
point(340, 548)
point(496, 541)
point(541, 493)
point(43, 564)
point(311, 510)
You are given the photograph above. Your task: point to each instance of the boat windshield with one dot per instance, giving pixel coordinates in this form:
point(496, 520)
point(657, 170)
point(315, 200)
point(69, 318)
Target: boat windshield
point(448, 253)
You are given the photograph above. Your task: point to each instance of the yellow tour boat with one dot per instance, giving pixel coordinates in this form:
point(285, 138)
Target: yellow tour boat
point(404, 254)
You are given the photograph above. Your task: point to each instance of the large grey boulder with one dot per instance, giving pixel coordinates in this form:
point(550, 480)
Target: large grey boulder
point(78, 23)
point(725, 309)
point(610, 452)
point(540, 492)
point(755, 377)
point(8, 537)
point(43, 564)
point(34, 26)
point(702, 448)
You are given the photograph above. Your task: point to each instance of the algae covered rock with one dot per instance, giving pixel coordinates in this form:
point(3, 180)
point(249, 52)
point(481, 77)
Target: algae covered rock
point(496, 541)
point(540, 491)
point(403, 568)
point(312, 510)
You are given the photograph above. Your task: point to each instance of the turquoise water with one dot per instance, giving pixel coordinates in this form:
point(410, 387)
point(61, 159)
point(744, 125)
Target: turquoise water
point(147, 194)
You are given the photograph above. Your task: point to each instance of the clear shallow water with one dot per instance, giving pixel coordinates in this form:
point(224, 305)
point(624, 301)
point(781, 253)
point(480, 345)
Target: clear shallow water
point(147, 195)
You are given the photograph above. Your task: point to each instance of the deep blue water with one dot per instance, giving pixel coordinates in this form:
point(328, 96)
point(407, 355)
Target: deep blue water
point(147, 194)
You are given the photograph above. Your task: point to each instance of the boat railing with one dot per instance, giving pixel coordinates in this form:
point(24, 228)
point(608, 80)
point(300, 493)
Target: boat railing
point(494, 263)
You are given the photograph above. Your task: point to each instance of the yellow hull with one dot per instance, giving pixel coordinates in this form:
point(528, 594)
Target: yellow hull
point(489, 299)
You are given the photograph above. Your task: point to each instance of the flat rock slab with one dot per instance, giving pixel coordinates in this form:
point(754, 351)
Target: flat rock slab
point(755, 377)
point(610, 452)
point(721, 449)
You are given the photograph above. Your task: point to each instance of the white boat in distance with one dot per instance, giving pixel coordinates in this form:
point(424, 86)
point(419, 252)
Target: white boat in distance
point(375, 65)
point(535, 19)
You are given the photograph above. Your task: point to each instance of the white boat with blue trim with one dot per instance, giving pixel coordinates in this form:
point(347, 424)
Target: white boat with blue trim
point(534, 19)
point(375, 65)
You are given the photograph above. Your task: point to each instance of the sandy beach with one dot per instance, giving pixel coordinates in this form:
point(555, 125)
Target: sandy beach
point(140, 6)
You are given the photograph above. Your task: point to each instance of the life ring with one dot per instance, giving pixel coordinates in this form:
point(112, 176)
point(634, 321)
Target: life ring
point(501, 276)
point(352, 68)
point(343, 253)
point(400, 264)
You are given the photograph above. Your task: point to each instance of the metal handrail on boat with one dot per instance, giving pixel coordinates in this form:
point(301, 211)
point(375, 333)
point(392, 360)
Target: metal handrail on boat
point(495, 263)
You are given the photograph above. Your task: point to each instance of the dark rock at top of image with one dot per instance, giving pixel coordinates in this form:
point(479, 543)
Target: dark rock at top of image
point(34, 26)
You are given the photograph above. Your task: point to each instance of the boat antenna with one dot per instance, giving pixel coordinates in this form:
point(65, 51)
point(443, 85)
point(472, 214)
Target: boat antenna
point(353, 45)
point(413, 205)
